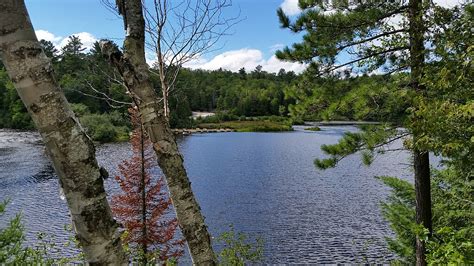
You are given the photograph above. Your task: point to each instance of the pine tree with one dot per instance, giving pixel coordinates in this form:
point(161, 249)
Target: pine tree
point(73, 47)
point(386, 36)
point(144, 205)
point(49, 50)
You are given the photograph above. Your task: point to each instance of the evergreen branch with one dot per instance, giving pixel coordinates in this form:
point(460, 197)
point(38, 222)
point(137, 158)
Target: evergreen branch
point(370, 39)
point(341, 151)
point(365, 58)
point(293, 27)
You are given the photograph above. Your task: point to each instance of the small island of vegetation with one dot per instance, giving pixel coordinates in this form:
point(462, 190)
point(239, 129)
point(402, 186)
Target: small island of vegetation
point(313, 129)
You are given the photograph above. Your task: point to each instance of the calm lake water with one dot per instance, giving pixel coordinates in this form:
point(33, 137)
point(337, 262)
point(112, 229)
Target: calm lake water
point(265, 184)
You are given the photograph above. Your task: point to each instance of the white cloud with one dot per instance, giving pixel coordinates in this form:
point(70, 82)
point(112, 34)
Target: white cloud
point(290, 7)
point(87, 38)
point(232, 60)
point(276, 47)
point(150, 58)
point(48, 36)
point(448, 3)
point(274, 65)
point(247, 58)
point(394, 20)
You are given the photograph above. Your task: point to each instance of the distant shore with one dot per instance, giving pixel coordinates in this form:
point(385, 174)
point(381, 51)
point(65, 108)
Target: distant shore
point(243, 126)
point(340, 123)
point(189, 131)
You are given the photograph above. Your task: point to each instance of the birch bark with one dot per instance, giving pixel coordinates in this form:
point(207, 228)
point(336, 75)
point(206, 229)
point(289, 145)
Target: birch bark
point(71, 151)
point(135, 72)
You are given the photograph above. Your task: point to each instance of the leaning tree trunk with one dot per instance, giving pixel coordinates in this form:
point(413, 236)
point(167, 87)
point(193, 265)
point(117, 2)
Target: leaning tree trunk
point(421, 158)
point(71, 151)
point(135, 72)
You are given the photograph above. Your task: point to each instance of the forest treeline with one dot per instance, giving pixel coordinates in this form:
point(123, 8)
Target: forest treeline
point(96, 92)
point(99, 97)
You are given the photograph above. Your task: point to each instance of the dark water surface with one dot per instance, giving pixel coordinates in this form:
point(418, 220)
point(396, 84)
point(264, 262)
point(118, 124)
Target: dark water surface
point(265, 184)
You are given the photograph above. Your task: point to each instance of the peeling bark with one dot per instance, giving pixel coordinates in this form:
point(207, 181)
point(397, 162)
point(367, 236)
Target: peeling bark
point(71, 151)
point(134, 70)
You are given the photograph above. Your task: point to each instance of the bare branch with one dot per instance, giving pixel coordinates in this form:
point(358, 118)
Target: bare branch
point(104, 96)
point(180, 31)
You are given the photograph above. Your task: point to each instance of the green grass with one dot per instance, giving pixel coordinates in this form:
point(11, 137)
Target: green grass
point(250, 126)
point(313, 128)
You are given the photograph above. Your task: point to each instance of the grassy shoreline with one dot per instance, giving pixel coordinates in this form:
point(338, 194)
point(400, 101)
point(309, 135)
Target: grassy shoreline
point(110, 129)
point(250, 126)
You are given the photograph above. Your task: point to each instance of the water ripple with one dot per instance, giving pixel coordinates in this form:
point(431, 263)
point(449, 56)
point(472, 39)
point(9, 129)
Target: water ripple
point(265, 184)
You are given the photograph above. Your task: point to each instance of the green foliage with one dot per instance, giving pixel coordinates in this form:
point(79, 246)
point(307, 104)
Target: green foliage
point(13, 251)
point(455, 249)
point(89, 84)
point(11, 239)
point(245, 124)
point(220, 117)
point(73, 47)
point(368, 98)
point(80, 109)
point(106, 127)
point(49, 50)
point(250, 126)
point(241, 94)
point(439, 112)
point(313, 129)
point(399, 210)
point(12, 111)
point(348, 27)
point(445, 119)
point(453, 193)
point(453, 230)
point(238, 250)
point(369, 141)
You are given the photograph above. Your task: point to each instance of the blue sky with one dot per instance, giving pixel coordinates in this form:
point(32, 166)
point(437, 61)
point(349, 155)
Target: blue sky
point(253, 42)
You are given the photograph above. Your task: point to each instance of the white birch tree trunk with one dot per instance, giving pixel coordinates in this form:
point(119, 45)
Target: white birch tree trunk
point(70, 149)
point(135, 72)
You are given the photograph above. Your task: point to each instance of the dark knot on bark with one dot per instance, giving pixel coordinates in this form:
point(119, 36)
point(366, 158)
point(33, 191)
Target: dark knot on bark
point(110, 50)
point(103, 173)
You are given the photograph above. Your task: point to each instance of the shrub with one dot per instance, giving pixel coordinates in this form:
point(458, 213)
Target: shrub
point(313, 128)
point(105, 127)
point(14, 252)
point(80, 109)
point(453, 230)
point(238, 250)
